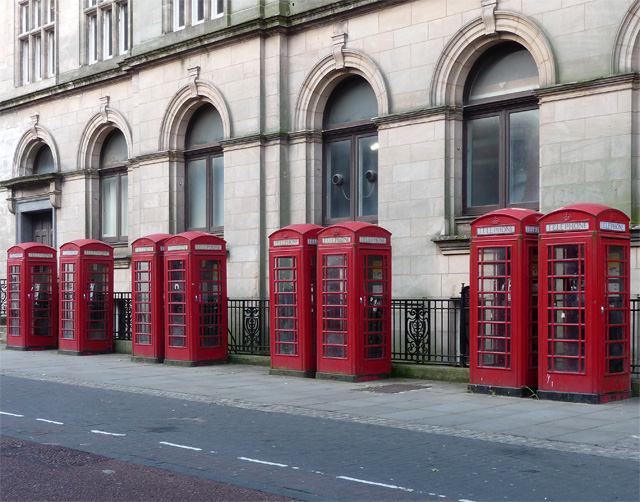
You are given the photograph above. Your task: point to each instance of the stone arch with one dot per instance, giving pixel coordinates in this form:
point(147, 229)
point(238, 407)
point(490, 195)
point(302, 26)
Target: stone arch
point(626, 49)
point(175, 121)
point(466, 46)
point(325, 76)
point(27, 148)
point(95, 133)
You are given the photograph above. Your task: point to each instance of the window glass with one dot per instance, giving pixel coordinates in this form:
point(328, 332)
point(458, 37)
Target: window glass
point(197, 193)
point(524, 146)
point(44, 161)
point(483, 151)
point(124, 205)
point(352, 101)
point(502, 132)
point(114, 150)
point(205, 127)
point(108, 197)
point(107, 49)
point(511, 68)
point(338, 182)
point(217, 204)
point(368, 176)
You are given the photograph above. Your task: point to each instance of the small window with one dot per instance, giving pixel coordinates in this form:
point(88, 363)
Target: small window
point(204, 171)
point(350, 154)
point(43, 162)
point(502, 131)
point(107, 28)
point(185, 13)
point(35, 51)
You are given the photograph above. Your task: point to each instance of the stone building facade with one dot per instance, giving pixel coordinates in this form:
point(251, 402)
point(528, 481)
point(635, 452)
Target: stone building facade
point(120, 119)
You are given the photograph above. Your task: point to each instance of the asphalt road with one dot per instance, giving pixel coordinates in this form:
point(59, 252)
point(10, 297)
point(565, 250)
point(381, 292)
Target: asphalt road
point(297, 456)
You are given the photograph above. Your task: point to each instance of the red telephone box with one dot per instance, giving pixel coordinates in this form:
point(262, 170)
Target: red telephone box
point(292, 263)
point(503, 342)
point(147, 305)
point(86, 298)
point(584, 304)
point(32, 295)
point(196, 299)
point(354, 302)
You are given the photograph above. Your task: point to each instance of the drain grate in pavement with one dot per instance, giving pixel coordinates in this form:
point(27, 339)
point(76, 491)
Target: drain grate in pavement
point(393, 388)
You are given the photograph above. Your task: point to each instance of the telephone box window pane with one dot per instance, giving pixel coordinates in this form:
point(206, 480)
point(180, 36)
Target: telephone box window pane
point(375, 328)
point(217, 180)
point(338, 182)
point(483, 161)
point(286, 317)
point(197, 193)
point(566, 315)
point(42, 304)
point(210, 309)
point(494, 313)
point(368, 176)
point(176, 306)
point(524, 153)
point(333, 304)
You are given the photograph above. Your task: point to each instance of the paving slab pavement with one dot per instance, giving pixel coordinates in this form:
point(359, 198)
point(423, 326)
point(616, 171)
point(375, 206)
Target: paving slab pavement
point(611, 429)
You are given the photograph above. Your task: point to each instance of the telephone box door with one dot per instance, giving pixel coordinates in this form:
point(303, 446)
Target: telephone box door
point(584, 316)
point(503, 302)
point(86, 297)
point(354, 311)
point(147, 308)
point(32, 321)
point(196, 306)
point(292, 259)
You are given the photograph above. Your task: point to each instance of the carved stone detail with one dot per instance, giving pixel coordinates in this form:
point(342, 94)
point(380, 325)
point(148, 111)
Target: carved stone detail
point(194, 74)
point(34, 124)
point(338, 44)
point(104, 108)
point(489, 16)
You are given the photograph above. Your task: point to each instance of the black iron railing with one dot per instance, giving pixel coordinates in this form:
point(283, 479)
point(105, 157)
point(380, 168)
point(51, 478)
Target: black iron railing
point(122, 316)
point(249, 326)
point(424, 330)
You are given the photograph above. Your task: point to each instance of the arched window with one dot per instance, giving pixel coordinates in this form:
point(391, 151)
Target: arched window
point(114, 188)
point(43, 162)
point(502, 131)
point(350, 187)
point(204, 171)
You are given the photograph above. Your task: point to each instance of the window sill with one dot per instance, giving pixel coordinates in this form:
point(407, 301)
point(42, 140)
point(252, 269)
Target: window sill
point(453, 244)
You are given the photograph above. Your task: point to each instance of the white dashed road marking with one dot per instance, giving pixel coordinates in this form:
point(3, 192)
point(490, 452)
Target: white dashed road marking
point(384, 485)
point(181, 446)
point(10, 414)
point(107, 433)
point(49, 421)
point(262, 462)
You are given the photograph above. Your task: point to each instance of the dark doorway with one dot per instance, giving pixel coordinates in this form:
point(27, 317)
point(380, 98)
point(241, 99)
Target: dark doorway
point(41, 227)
